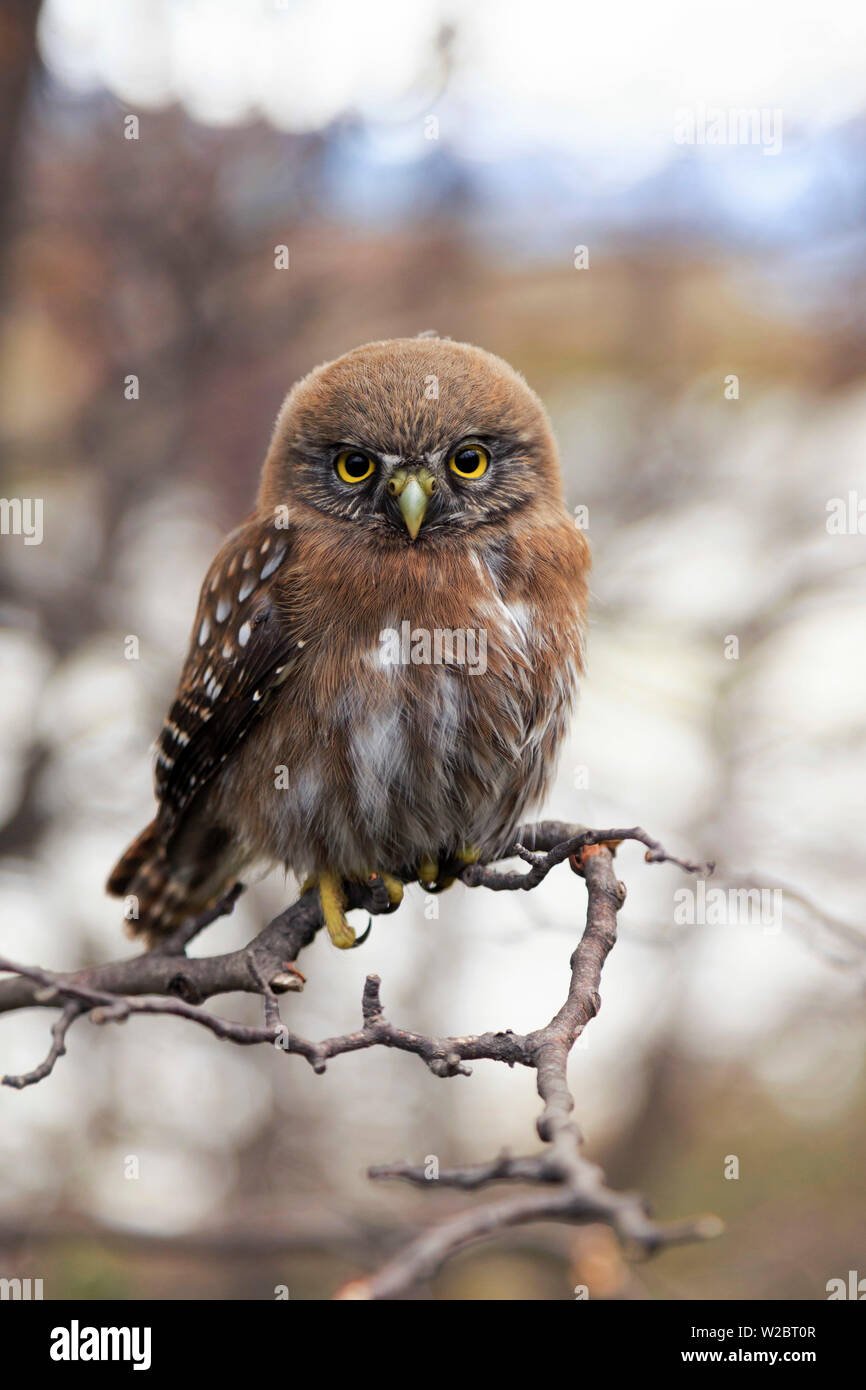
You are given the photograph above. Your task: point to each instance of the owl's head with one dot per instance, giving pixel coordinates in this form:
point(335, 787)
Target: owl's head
point(415, 439)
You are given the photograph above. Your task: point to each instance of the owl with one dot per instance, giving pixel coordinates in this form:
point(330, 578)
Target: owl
point(386, 652)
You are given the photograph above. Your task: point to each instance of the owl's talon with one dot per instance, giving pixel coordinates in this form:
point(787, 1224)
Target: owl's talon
point(438, 886)
point(428, 877)
point(429, 870)
point(359, 941)
point(386, 891)
point(394, 887)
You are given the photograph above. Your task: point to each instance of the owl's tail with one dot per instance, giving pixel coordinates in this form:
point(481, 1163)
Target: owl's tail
point(157, 898)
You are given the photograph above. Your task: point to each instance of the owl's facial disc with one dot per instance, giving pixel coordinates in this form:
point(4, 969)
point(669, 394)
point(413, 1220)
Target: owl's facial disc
point(363, 439)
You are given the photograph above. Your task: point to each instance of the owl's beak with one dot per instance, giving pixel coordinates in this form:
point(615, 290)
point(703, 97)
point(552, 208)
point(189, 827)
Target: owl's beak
point(412, 492)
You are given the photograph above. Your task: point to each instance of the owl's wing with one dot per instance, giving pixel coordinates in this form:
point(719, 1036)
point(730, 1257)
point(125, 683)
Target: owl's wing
point(240, 651)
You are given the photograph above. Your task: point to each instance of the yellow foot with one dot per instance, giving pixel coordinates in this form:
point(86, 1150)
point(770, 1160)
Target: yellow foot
point(334, 910)
point(394, 887)
point(469, 854)
point(333, 900)
point(428, 869)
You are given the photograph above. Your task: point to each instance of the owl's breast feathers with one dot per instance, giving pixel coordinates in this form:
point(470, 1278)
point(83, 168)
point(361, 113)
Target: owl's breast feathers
point(367, 740)
point(426, 702)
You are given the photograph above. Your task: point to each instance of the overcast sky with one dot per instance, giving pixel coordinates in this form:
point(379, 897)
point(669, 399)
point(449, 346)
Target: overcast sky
point(605, 79)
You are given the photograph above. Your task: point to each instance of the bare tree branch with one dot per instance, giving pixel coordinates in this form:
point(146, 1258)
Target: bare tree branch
point(166, 981)
point(579, 1193)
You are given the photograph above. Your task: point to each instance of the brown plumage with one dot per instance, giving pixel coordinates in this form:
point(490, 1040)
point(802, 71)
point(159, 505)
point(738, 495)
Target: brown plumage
point(411, 488)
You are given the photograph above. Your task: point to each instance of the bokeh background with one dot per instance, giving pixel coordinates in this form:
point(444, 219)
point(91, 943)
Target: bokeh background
point(436, 166)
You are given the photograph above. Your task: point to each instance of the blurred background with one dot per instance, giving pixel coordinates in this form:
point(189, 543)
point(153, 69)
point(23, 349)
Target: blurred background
point(543, 181)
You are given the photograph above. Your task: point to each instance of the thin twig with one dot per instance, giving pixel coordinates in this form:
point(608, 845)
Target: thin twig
point(166, 981)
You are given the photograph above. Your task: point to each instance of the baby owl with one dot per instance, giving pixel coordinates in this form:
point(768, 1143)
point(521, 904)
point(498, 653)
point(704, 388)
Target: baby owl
point(385, 653)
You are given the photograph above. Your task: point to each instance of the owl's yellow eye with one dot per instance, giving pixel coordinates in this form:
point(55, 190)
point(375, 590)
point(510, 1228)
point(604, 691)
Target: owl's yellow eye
point(469, 461)
point(354, 466)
